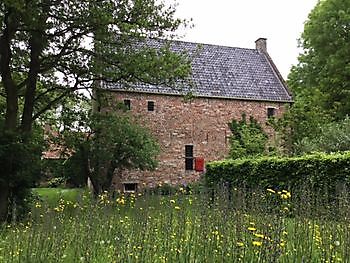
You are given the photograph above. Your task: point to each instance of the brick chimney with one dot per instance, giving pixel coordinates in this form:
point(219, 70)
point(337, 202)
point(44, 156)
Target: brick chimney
point(260, 45)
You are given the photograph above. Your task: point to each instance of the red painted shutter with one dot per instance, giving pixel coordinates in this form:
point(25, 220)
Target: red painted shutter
point(199, 164)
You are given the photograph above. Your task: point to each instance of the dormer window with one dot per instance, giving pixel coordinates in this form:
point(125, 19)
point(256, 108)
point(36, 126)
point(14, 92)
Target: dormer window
point(150, 105)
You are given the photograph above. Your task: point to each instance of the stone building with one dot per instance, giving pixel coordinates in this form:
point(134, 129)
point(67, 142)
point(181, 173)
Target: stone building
point(228, 81)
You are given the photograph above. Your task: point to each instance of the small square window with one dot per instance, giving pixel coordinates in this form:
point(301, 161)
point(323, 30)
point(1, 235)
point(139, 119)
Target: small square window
point(130, 187)
point(271, 112)
point(127, 104)
point(150, 105)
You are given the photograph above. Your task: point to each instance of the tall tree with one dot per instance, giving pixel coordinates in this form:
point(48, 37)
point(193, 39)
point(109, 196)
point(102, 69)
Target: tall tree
point(52, 42)
point(100, 151)
point(98, 144)
point(325, 63)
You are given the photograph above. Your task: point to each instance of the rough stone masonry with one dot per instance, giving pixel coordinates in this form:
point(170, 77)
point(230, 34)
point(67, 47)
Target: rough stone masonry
point(228, 82)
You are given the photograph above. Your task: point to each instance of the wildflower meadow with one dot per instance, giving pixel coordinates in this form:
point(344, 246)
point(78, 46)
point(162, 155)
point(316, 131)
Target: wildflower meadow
point(266, 225)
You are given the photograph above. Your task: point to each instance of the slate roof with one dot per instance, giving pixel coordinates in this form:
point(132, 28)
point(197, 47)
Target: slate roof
point(224, 72)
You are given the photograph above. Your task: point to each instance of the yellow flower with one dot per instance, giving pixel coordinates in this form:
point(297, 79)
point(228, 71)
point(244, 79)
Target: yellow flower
point(177, 207)
point(120, 201)
point(172, 201)
point(259, 235)
point(271, 191)
point(251, 228)
point(285, 194)
point(240, 244)
point(257, 243)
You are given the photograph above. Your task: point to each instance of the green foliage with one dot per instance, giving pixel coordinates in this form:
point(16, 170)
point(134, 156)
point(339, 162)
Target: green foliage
point(2, 108)
point(56, 182)
point(20, 157)
point(304, 119)
point(324, 66)
point(320, 81)
point(248, 138)
point(74, 171)
point(118, 139)
point(52, 196)
point(94, 144)
point(66, 171)
point(51, 49)
point(333, 137)
point(111, 141)
point(318, 172)
point(163, 189)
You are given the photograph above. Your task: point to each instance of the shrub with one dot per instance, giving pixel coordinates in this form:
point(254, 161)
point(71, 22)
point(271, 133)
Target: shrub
point(320, 172)
point(333, 137)
point(247, 139)
point(56, 182)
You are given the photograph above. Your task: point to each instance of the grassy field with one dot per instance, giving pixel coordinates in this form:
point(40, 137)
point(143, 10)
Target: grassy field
point(52, 196)
point(264, 226)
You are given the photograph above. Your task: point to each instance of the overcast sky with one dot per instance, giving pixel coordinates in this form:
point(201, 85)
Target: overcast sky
point(238, 23)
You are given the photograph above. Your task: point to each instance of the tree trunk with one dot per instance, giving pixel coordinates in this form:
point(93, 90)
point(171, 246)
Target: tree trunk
point(109, 176)
point(89, 172)
point(36, 45)
point(5, 71)
point(10, 23)
point(34, 66)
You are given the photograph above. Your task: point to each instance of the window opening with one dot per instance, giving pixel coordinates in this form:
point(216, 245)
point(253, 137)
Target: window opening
point(127, 104)
point(271, 112)
point(189, 157)
point(130, 187)
point(150, 105)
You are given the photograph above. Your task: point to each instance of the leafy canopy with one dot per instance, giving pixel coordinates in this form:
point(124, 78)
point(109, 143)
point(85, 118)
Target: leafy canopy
point(49, 49)
point(97, 144)
point(325, 63)
point(333, 137)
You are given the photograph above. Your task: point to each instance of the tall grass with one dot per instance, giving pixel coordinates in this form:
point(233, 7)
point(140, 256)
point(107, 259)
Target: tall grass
point(265, 225)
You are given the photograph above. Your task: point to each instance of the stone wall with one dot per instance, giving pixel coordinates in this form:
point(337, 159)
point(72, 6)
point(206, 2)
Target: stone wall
point(201, 122)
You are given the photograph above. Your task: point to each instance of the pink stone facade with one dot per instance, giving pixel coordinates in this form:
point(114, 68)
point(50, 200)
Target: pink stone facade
point(201, 122)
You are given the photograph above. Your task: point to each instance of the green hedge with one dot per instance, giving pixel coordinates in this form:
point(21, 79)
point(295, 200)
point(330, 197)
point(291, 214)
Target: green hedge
point(316, 171)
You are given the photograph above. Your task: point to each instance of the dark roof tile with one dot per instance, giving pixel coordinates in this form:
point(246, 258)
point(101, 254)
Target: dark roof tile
point(221, 71)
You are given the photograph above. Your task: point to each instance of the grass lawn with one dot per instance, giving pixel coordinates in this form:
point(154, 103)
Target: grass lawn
point(51, 196)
